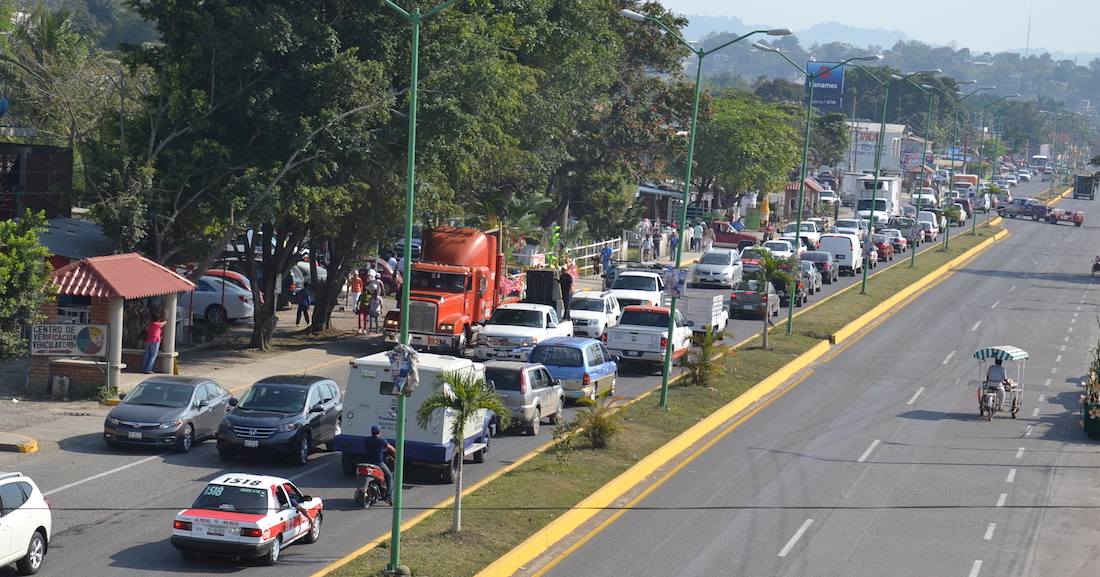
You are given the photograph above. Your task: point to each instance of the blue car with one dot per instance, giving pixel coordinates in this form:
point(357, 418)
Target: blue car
point(582, 365)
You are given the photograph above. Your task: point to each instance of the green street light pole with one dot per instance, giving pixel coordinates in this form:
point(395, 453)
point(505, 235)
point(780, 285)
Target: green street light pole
point(399, 441)
point(699, 54)
point(981, 169)
point(954, 143)
point(927, 90)
point(810, 78)
point(878, 151)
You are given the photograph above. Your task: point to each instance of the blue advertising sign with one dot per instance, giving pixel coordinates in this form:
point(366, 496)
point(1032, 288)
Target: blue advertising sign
point(828, 102)
point(828, 78)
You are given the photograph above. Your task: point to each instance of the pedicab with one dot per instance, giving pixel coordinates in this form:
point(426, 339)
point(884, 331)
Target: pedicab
point(1004, 395)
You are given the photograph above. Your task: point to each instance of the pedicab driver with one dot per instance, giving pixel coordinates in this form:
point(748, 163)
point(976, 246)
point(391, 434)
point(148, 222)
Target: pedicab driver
point(997, 378)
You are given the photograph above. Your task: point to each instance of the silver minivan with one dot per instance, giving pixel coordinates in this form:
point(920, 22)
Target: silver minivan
point(529, 392)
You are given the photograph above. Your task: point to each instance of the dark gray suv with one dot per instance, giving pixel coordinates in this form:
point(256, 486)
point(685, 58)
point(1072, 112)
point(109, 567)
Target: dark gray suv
point(285, 415)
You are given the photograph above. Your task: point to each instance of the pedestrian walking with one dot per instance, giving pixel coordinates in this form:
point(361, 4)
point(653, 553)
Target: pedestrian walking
point(355, 289)
point(304, 300)
point(373, 312)
point(698, 236)
point(362, 309)
point(153, 332)
point(657, 243)
point(605, 258)
point(647, 248)
point(708, 239)
point(689, 238)
point(566, 282)
point(739, 225)
point(673, 243)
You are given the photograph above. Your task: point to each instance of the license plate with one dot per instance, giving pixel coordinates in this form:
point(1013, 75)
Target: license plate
point(633, 353)
point(216, 530)
point(251, 444)
point(134, 434)
point(748, 307)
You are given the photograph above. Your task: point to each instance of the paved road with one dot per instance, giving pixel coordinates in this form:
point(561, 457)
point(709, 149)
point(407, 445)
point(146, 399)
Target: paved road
point(877, 463)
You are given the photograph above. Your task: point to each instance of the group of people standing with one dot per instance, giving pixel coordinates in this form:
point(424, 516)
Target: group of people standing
point(367, 296)
point(698, 238)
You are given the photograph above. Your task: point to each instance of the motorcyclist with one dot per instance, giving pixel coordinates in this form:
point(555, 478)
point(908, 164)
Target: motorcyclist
point(996, 378)
point(1096, 263)
point(375, 448)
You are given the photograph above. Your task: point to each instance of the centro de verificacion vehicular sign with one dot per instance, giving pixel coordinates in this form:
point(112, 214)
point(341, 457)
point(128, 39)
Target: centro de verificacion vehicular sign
point(69, 340)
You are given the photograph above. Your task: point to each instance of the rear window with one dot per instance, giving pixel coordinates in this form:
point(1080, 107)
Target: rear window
point(557, 356)
point(249, 500)
point(644, 319)
point(502, 379)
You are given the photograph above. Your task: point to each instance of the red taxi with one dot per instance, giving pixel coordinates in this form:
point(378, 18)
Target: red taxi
point(246, 516)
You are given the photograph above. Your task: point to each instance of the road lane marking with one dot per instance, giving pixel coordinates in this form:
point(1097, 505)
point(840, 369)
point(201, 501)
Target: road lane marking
point(867, 453)
point(1020, 451)
point(1053, 370)
point(1001, 501)
point(1041, 397)
point(796, 537)
point(989, 531)
point(1075, 314)
point(1069, 330)
point(975, 326)
point(1063, 348)
point(1027, 433)
point(103, 474)
point(1058, 359)
point(1047, 383)
point(915, 395)
point(945, 361)
point(1035, 413)
point(1011, 475)
point(995, 305)
point(1071, 321)
point(977, 567)
point(1066, 339)
point(1012, 288)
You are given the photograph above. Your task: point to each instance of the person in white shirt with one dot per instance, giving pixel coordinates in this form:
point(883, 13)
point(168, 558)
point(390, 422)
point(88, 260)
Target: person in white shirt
point(995, 378)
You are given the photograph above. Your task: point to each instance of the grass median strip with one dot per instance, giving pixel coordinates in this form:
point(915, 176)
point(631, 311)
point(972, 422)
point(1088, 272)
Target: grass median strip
point(499, 515)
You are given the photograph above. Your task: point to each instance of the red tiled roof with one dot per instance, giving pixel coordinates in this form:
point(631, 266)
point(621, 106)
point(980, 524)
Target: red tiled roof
point(810, 186)
point(129, 276)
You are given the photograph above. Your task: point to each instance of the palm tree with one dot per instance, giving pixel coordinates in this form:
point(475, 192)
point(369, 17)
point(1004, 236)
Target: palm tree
point(951, 212)
point(770, 271)
point(464, 394)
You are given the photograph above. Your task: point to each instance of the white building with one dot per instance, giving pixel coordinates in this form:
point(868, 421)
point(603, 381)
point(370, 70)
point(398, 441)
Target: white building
point(864, 143)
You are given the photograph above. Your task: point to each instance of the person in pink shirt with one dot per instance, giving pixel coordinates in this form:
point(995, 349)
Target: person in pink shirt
point(153, 332)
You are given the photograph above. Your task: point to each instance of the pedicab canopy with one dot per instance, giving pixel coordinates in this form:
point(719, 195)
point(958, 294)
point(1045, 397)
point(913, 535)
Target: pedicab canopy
point(1005, 353)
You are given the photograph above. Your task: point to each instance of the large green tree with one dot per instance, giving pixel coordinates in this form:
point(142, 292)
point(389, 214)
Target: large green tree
point(24, 280)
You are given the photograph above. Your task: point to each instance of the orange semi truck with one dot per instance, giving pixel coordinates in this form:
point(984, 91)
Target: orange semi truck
point(458, 282)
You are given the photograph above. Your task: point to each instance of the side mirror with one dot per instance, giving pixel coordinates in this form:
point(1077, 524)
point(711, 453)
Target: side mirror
point(122, 396)
point(204, 403)
point(318, 408)
point(691, 323)
point(551, 325)
point(233, 402)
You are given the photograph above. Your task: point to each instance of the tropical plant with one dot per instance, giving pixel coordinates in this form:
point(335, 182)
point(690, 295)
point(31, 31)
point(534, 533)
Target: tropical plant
point(597, 421)
point(24, 280)
point(464, 395)
point(951, 212)
point(702, 363)
point(770, 271)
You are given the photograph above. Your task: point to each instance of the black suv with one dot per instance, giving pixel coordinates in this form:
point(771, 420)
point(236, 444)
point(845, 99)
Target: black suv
point(286, 415)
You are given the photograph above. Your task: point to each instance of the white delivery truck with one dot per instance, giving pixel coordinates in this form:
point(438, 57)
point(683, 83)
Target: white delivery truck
point(703, 311)
point(887, 199)
point(370, 400)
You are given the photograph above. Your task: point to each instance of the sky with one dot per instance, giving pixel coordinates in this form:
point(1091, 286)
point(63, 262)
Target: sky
point(1067, 26)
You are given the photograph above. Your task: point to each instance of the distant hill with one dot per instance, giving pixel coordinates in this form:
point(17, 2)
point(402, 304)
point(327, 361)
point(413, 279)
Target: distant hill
point(700, 26)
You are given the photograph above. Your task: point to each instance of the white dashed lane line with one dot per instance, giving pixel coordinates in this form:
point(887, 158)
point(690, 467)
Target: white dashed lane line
point(1020, 452)
point(1002, 499)
point(797, 535)
point(945, 361)
point(915, 395)
point(867, 453)
point(976, 325)
point(989, 531)
point(1011, 476)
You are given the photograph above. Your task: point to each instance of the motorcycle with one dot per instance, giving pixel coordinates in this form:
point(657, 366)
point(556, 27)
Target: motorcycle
point(371, 482)
point(1095, 268)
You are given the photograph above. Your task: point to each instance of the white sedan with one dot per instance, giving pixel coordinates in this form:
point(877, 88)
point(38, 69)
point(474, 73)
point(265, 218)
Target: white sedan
point(246, 515)
point(782, 248)
point(217, 300)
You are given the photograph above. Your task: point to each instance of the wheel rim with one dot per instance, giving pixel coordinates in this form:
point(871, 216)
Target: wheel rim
point(534, 423)
point(315, 532)
point(276, 547)
point(215, 315)
point(339, 427)
point(188, 439)
point(303, 450)
point(37, 551)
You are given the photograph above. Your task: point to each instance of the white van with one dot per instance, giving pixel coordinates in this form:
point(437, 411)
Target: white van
point(370, 400)
point(847, 250)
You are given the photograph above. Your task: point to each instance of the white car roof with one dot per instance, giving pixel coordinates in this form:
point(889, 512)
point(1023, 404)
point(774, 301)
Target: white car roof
point(524, 306)
point(248, 480)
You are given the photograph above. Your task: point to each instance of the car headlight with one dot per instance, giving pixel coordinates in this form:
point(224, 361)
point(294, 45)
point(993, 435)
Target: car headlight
point(170, 424)
point(529, 341)
point(289, 427)
point(483, 341)
point(447, 328)
point(227, 423)
point(112, 420)
point(391, 323)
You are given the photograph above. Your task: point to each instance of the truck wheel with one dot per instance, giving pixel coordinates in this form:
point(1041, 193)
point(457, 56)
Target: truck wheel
point(451, 473)
point(533, 428)
point(460, 344)
point(556, 417)
point(1035, 217)
point(479, 456)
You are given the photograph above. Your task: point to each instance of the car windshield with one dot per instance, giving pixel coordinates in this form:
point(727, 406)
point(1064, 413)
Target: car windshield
point(748, 285)
point(160, 395)
point(503, 379)
point(636, 283)
point(516, 318)
point(719, 258)
point(807, 266)
point(272, 397)
point(847, 224)
point(249, 500)
point(644, 319)
point(776, 246)
point(422, 279)
point(582, 304)
point(806, 227)
point(557, 356)
point(815, 256)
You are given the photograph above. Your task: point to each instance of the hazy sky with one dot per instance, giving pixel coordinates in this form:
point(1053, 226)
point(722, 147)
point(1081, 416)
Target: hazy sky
point(985, 26)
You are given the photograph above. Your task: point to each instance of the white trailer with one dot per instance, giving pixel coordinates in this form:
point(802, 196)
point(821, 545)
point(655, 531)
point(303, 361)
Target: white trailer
point(370, 400)
point(887, 198)
point(702, 312)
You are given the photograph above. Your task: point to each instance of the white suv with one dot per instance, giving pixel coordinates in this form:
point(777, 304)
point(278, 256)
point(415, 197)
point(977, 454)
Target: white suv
point(25, 522)
point(593, 312)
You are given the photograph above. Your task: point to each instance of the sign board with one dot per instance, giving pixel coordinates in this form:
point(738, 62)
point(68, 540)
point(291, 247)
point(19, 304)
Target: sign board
point(675, 281)
point(829, 102)
point(69, 340)
point(828, 78)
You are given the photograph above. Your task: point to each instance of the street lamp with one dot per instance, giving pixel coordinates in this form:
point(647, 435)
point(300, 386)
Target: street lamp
point(878, 150)
point(399, 441)
point(810, 80)
point(954, 142)
point(927, 90)
point(981, 169)
point(699, 54)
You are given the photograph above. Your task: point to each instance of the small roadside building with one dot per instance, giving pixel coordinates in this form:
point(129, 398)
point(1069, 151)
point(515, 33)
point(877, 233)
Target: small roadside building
point(87, 353)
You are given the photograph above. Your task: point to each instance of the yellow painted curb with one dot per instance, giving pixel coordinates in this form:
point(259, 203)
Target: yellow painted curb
point(538, 543)
point(851, 328)
point(28, 445)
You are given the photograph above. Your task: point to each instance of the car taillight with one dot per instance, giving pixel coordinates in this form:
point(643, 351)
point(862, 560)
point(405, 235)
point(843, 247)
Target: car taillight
point(244, 299)
point(763, 297)
point(251, 532)
point(48, 505)
point(523, 383)
point(664, 342)
point(604, 337)
point(182, 525)
point(587, 380)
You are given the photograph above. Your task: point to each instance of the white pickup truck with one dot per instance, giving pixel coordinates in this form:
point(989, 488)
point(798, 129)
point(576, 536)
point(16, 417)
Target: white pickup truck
point(639, 287)
point(515, 328)
point(642, 332)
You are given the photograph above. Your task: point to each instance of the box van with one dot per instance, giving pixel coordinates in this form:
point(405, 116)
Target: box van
point(846, 248)
point(370, 400)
